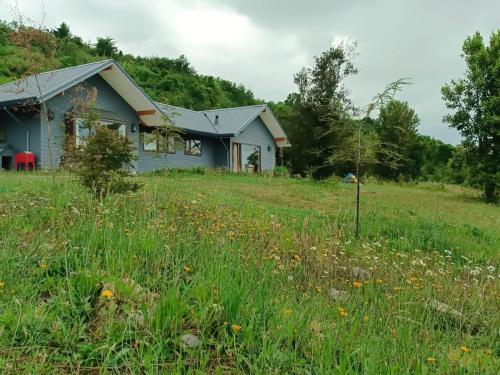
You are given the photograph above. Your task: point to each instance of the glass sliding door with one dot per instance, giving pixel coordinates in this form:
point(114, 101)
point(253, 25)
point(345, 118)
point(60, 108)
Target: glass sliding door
point(246, 157)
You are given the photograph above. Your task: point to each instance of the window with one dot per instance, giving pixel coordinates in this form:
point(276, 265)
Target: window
point(82, 131)
point(193, 147)
point(152, 142)
point(149, 142)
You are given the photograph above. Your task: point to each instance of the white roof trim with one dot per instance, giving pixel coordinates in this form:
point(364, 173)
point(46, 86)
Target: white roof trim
point(132, 94)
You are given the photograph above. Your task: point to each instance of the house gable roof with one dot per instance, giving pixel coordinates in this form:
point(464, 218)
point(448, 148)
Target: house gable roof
point(231, 121)
point(57, 81)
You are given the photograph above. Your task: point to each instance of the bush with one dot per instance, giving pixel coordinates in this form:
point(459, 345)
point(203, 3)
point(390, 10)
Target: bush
point(281, 171)
point(101, 160)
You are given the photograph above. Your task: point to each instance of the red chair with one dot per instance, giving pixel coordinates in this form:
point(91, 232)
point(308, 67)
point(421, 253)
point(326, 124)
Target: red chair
point(26, 159)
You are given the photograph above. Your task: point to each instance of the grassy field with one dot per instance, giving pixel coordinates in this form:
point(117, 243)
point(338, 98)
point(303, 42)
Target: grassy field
point(263, 273)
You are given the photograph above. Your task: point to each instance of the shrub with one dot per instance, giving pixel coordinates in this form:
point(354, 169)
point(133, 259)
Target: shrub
point(101, 161)
point(281, 171)
point(102, 157)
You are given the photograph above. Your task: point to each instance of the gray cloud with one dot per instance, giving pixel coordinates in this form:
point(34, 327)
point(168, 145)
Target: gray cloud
point(263, 43)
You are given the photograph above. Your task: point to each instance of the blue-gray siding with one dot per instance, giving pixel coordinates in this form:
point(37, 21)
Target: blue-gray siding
point(256, 133)
point(213, 155)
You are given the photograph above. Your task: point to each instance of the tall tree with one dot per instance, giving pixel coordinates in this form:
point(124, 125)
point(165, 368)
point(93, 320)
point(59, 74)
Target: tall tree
point(325, 102)
point(106, 47)
point(396, 127)
point(475, 102)
point(62, 31)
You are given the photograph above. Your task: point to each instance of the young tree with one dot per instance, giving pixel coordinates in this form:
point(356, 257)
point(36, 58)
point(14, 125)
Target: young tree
point(167, 136)
point(475, 102)
point(364, 147)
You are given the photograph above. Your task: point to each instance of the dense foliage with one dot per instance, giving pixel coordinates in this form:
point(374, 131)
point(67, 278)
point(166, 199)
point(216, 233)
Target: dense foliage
point(475, 102)
point(160, 77)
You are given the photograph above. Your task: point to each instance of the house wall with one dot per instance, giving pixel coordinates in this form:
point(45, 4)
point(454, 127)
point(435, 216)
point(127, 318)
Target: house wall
point(107, 99)
point(15, 133)
point(213, 155)
point(256, 133)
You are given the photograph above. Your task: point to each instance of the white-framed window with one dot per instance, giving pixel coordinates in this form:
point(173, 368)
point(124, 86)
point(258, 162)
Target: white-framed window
point(81, 131)
point(151, 142)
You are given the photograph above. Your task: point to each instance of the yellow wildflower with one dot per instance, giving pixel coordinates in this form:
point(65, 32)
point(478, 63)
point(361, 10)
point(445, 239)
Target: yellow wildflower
point(464, 349)
point(357, 284)
point(296, 257)
point(365, 318)
point(43, 266)
point(187, 269)
point(287, 312)
point(431, 360)
point(2, 285)
point(235, 328)
point(342, 312)
point(378, 281)
point(106, 293)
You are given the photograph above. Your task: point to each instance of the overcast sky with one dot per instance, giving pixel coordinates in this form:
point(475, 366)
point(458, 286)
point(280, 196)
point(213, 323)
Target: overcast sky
point(262, 43)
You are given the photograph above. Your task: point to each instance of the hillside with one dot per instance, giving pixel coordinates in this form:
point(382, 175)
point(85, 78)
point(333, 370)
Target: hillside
point(262, 275)
point(162, 78)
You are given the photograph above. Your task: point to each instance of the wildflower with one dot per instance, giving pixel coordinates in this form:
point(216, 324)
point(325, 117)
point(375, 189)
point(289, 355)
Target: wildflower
point(43, 266)
point(378, 281)
point(296, 257)
point(431, 360)
point(107, 293)
point(464, 349)
point(235, 328)
point(342, 312)
point(187, 269)
point(287, 312)
point(365, 318)
point(318, 289)
point(2, 285)
point(357, 284)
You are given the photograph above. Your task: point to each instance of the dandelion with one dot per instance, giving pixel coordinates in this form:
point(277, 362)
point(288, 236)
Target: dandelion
point(2, 285)
point(366, 318)
point(187, 269)
point(287, 312)
point(43, 266)
point(431, 360)
point(235, 328)
point(107, 293)
point(464, 349)
point(342, 312)
point(357, 284)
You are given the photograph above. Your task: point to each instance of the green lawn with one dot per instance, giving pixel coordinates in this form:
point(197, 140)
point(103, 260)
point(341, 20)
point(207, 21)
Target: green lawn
point(265, 272)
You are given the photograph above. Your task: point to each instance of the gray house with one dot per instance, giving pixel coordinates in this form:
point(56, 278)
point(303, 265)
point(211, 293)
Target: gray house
point(237, 139)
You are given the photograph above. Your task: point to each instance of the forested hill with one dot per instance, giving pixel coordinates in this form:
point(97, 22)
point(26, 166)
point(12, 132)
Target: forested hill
point(161, 77)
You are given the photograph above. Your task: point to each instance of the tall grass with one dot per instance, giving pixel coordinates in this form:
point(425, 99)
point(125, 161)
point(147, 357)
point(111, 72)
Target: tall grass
point(247, 264)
